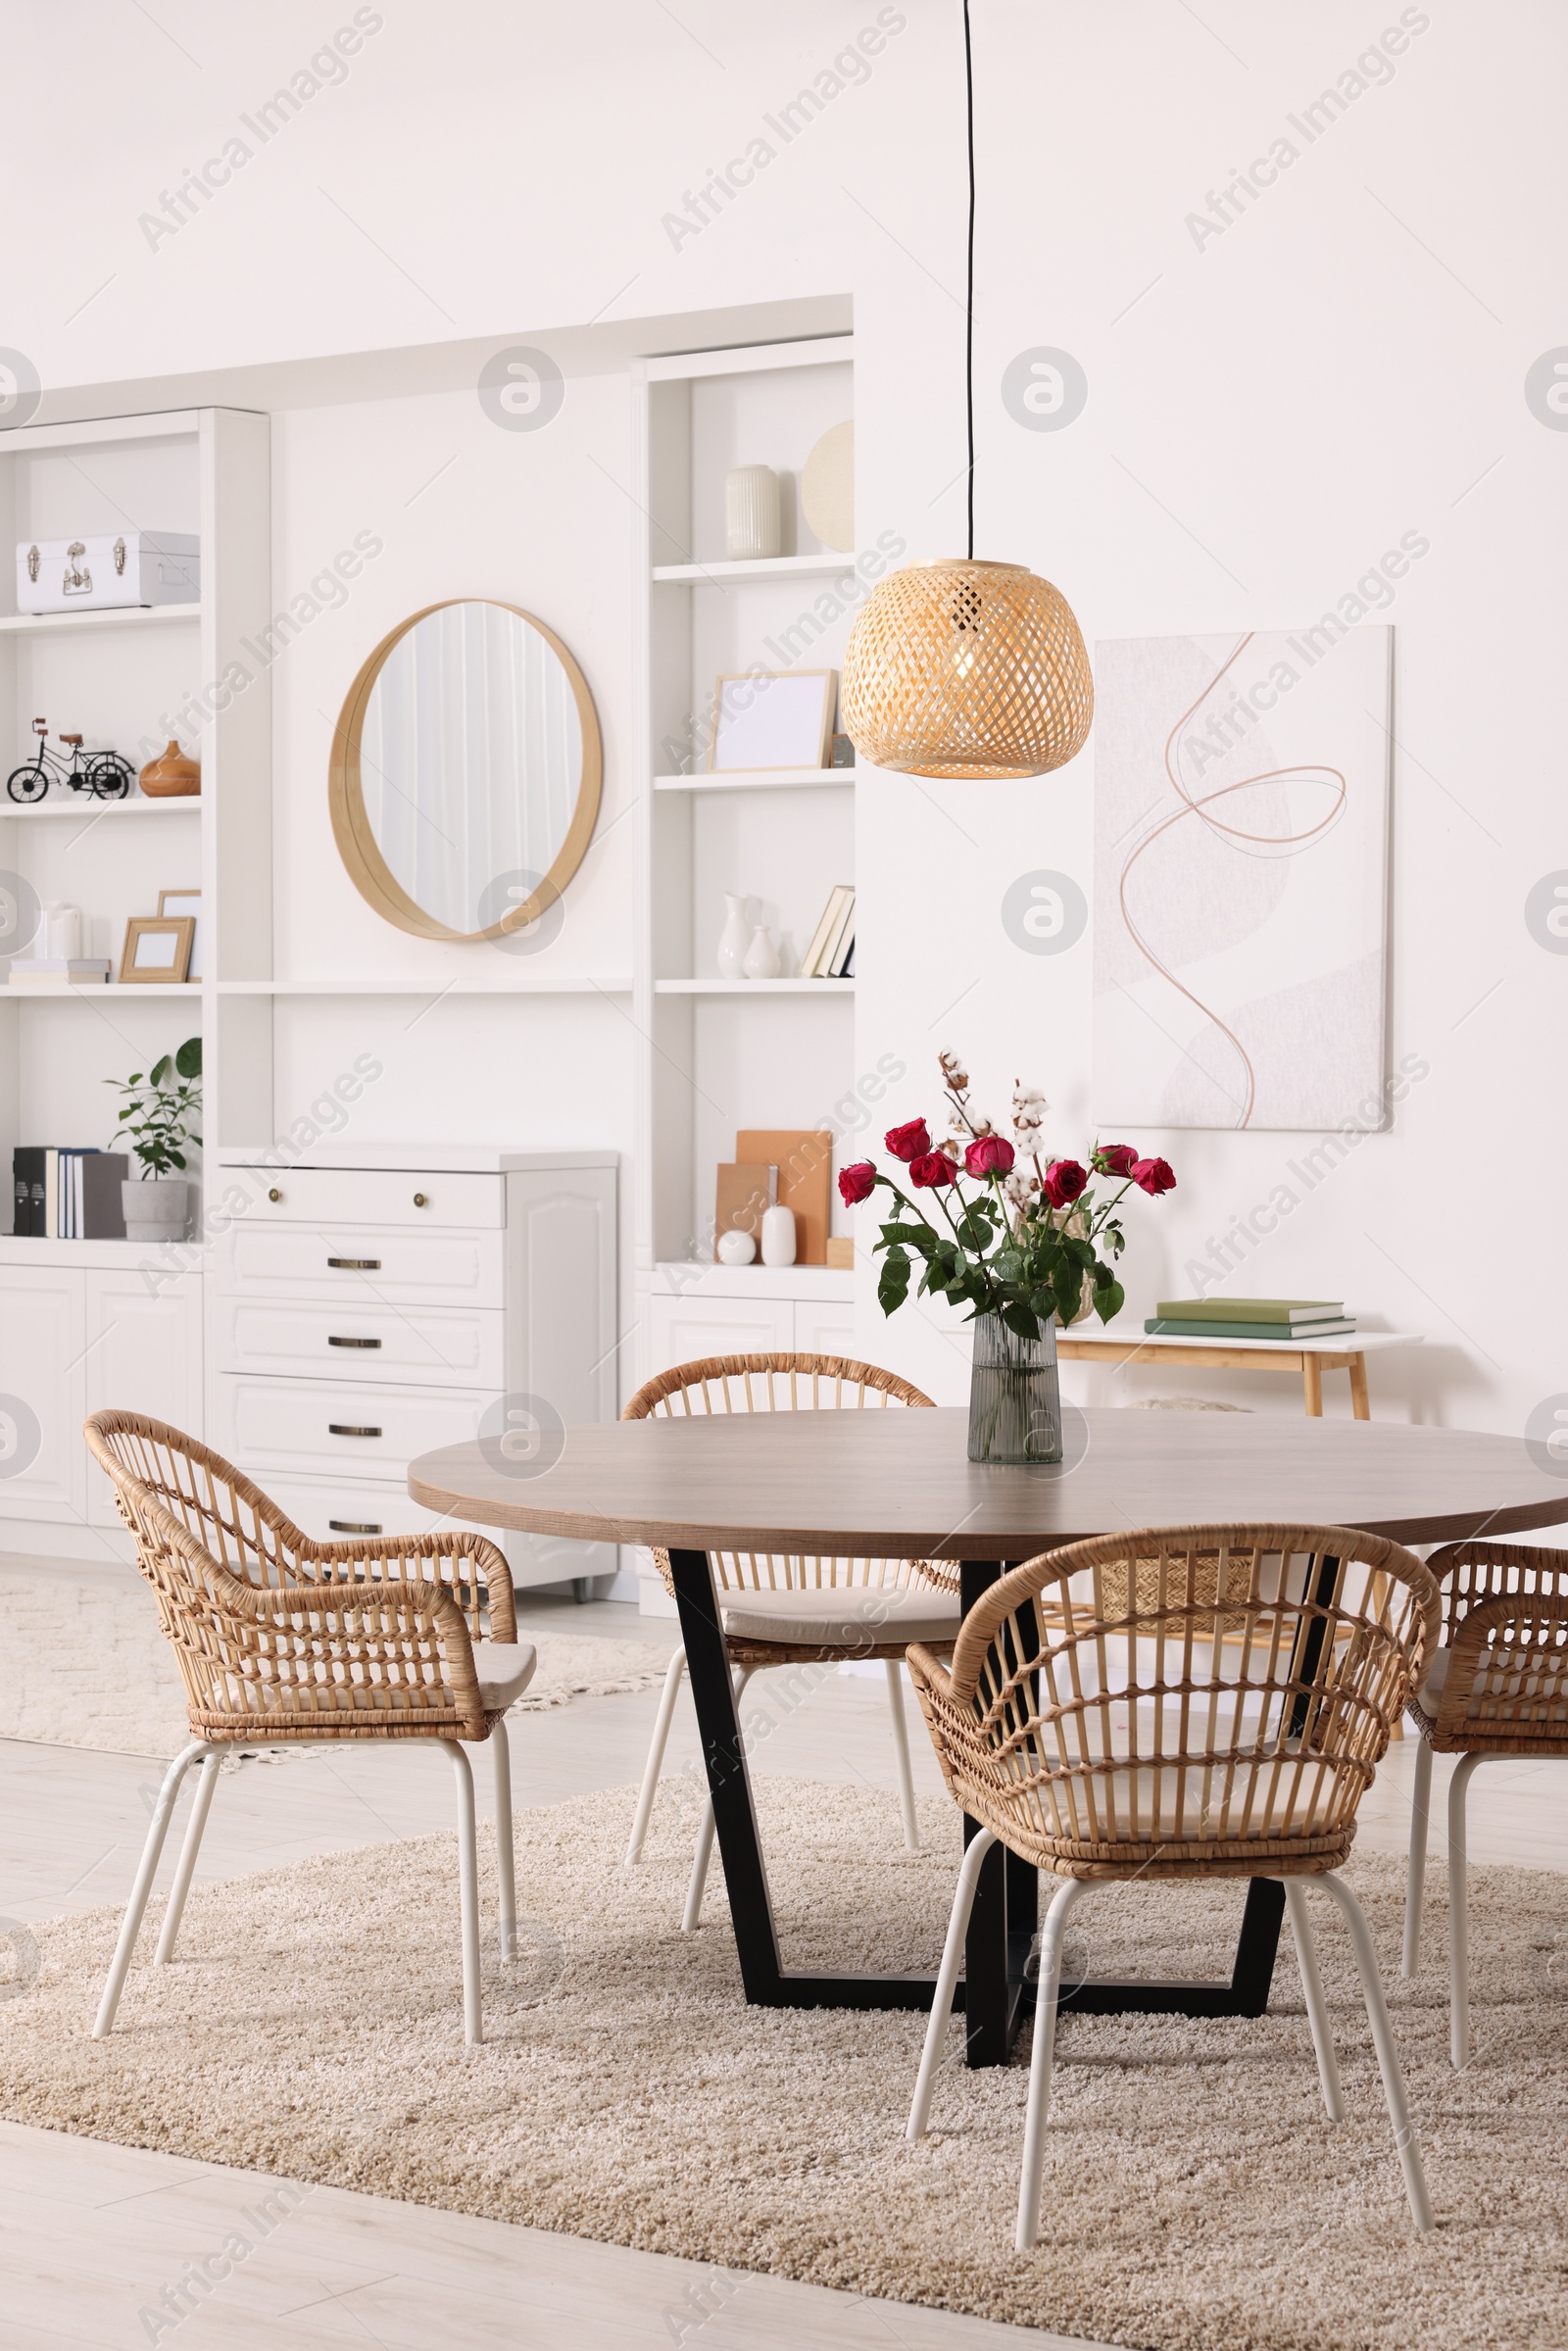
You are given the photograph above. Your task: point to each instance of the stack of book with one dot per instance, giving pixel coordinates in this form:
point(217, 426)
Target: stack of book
point(1291, 1319)
point(831, 953)
point(67, 1194)
point(44, 971)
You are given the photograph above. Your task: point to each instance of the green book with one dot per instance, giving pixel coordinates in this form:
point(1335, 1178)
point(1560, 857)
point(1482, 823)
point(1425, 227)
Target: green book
point(1165, 1326)
point(1287, 1310)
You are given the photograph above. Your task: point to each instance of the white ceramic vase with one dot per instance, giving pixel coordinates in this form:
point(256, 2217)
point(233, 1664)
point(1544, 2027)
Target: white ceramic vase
point(778, 1236)
point(156, 1208)
point(762, 957)
point(735, 1248)
point(751, 514)
point(733, 939)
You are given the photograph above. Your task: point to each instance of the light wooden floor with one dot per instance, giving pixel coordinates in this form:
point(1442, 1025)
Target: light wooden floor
point(91, 2234)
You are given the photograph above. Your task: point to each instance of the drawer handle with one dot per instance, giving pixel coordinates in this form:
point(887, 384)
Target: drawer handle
point(353, 1342)
point(274, 1193)
point(352, 1525)
point(356, 1264)
point(421, 1200)
point(343, 1428)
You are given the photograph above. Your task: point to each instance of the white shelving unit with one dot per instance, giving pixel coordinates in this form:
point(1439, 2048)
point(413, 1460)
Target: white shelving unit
point(762, 779)
point(89, 1322)
point(718, 1055)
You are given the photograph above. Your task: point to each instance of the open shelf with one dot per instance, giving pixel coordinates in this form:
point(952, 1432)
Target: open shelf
point(80, 805)
point(93, 991)
point(753, 987)
point(759, 779)
point(777, 567)
point(544, 984)
point(67, 624)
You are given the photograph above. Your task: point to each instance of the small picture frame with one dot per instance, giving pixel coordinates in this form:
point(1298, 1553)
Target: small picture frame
point(772, 718)
point(173, 903)
point(157, 951)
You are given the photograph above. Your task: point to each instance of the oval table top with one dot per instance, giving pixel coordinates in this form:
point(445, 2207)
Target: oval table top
point(897, 1484)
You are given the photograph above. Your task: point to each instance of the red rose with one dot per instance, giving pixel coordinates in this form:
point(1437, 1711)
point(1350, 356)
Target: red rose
point(1116, 1159)
point(908, 1141)
point(988, 1154)
point(1065, 1180)
point(931, 1170)
point(856, 1182)
point(1153, 1176)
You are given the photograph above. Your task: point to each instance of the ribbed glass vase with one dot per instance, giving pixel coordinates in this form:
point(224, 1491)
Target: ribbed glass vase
point(1014, 1396)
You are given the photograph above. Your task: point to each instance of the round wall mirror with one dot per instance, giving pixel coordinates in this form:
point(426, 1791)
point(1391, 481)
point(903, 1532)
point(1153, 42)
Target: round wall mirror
point(465, 771)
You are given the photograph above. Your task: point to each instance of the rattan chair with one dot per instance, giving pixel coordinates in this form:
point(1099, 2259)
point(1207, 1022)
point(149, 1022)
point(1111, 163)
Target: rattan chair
point(1191, 1702)
point(281, 1639)
point(1498, 1687)
point(798, 1611)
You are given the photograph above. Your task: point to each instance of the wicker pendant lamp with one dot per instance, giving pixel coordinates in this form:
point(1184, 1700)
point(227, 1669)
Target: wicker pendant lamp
point(960, 667)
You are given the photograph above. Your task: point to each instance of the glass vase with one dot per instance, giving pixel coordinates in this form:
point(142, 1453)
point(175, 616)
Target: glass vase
point(1015, 1396)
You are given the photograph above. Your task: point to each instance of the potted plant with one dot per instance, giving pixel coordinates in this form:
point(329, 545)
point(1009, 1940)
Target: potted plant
point(160, 1114)
point(1019, 1251)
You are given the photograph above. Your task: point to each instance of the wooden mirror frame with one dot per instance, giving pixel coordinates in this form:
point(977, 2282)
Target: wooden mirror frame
point(352, 830)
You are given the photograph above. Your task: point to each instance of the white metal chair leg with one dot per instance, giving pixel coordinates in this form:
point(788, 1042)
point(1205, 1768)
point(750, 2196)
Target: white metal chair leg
point(697, 1884)
point(656, 1757)
point(201, 1805)
point(1459, 1914)
point(1416, 1884)
point(901, 1750)
point(1404, 2137)
point(1041, 2059)
point(506, 1859)
point(468, 1893)
point(946, 1979)
point(136, 1907)
point(1317, 2010)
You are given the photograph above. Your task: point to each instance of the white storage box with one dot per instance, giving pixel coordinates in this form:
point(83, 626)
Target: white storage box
point(127, 567)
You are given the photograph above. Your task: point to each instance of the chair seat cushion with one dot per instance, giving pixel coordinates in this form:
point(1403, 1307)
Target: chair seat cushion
point(505, 1669)
point(853, 1617)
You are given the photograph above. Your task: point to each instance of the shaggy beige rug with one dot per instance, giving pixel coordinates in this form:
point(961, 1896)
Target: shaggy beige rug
point(86, 1665)
point(1195, 2196)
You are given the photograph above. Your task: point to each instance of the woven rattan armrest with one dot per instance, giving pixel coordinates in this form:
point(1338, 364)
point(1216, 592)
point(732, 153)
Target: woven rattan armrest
point(1452, 1727)
point(404, 1557)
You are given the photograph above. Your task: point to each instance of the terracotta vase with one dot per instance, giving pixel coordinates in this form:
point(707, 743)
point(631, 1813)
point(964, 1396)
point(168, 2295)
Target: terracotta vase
point(172, 776)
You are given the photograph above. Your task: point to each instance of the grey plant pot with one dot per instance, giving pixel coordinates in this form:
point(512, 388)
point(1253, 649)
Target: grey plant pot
point(156, 1208)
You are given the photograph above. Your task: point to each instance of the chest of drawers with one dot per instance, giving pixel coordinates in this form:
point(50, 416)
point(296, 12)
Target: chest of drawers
point(364, 1307)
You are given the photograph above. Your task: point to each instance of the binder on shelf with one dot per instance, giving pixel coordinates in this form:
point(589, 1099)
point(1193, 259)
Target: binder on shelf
point(812, 965)
point(103, 1213)
point(28, 1190)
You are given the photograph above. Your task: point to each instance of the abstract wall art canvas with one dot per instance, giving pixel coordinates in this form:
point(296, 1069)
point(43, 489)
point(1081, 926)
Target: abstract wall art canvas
point(1241, 836)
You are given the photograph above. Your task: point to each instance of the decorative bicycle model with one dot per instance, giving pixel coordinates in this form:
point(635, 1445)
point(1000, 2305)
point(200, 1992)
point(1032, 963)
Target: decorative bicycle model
point(101, 774)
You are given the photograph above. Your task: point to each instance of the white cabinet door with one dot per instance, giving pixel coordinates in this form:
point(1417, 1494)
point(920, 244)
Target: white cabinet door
point(827, 1329)
point(682, 1329)
point(143, 1341)
point(43, 1394)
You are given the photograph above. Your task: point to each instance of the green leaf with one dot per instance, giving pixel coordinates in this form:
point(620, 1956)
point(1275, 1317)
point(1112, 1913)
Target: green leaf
point(1109, 1300)
point(1017, 1317)
point(893, 1288)
point(188, 1059)
point(161, 1069)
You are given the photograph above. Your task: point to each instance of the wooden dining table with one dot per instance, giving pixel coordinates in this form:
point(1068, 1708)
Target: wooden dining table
point(898, 1486)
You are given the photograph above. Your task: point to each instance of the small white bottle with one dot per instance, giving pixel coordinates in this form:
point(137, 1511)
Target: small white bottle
point(778, 1227)
point(762, 957)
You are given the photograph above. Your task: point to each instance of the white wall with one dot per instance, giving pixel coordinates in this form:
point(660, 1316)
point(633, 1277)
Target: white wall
point(1266, 412)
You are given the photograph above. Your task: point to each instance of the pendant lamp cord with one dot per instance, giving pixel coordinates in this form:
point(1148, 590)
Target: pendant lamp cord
point(969, 305)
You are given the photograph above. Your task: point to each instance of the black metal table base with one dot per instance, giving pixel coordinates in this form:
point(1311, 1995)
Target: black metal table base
point(995, 1992)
